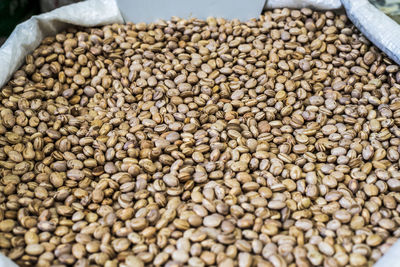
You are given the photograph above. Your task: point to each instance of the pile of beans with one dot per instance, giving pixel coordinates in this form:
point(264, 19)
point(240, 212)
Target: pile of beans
point(273, 142)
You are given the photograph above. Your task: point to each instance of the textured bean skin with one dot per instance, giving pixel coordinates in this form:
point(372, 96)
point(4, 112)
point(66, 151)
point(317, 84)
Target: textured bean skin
point(272, 142)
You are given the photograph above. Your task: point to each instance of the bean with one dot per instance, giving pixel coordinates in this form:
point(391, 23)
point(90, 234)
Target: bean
point(272, 142)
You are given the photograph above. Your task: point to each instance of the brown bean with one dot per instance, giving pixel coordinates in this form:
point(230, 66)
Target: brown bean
point(272, 142)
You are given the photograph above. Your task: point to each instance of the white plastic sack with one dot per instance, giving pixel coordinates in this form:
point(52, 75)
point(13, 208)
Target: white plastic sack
point(381, 30)
point(6, 262)
point(28, 35)
point(390, 258)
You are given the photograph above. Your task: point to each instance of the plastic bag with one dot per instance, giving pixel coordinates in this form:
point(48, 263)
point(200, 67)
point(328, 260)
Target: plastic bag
point(381, 30)
point(6, 262)
point(28, 35)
